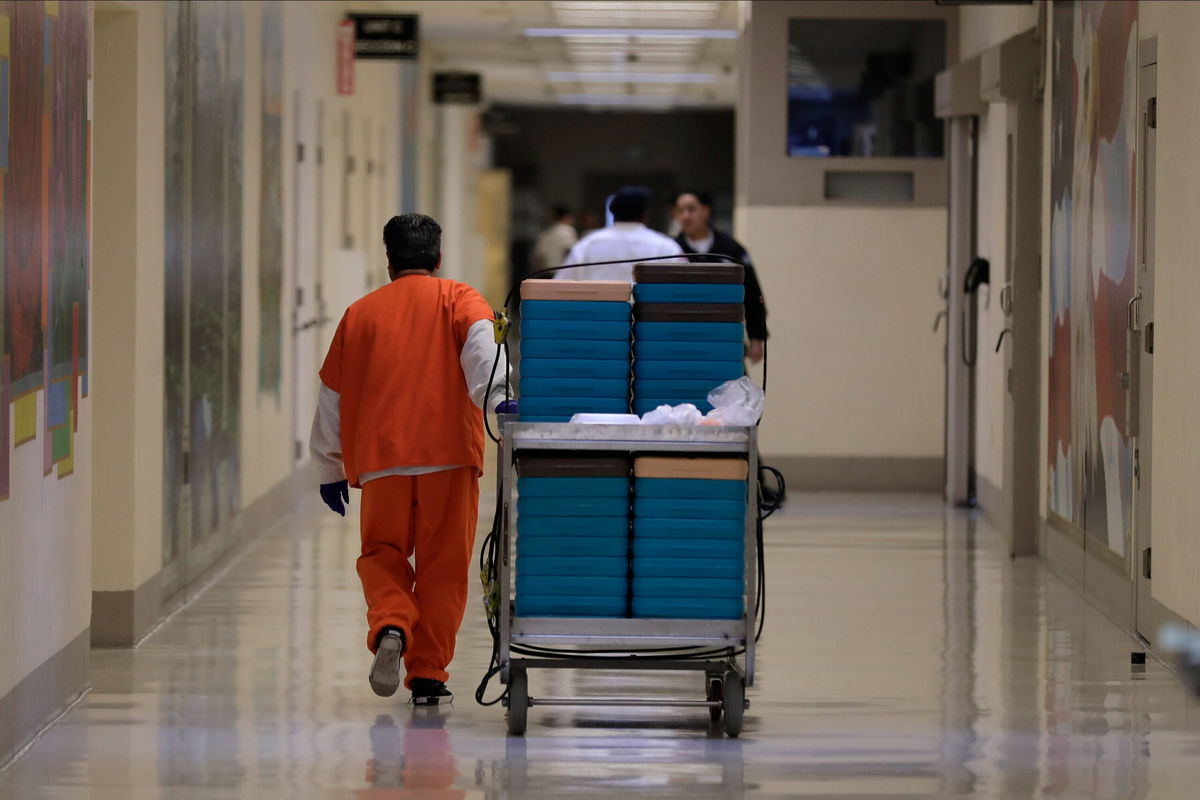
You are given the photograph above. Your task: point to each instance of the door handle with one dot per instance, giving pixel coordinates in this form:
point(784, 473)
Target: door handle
point(1135, 305)
point(1000, 341)
point(937, 320)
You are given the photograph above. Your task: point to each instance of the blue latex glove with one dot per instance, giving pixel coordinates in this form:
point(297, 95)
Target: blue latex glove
point(508, 407)
point(335, 495)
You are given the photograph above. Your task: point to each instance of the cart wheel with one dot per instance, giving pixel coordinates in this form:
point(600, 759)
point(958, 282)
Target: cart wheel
point(714, 692)
point(733, 697)
point(518, 702)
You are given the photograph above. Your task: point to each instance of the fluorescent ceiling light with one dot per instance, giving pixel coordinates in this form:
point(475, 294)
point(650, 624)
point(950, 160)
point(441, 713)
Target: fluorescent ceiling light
point(595, 99)
point(647, 33)
point(630, 77)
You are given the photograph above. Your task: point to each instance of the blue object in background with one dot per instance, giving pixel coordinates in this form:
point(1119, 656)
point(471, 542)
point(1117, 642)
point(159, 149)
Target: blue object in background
point(671, 508)
point(690, 351)
point(610, 368)
point(687, 608)
point(688, 548)
point(689, 293)
point(687, 585)
point(717, 372)
point(574, 349)
point(555, 606)
point(574, 329)
point(580, 546)
point(696, 567)
point(574, 387)
point(585, 566)
point(573, 487)
point(689, 331)
point(568, 406)
point(576, 310)
point(675, 387)
point(680, 488)
point(573, 506)
point(694, 528)
point(573, 585)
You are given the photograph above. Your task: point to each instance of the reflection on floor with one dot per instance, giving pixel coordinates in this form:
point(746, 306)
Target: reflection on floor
point(905, 656)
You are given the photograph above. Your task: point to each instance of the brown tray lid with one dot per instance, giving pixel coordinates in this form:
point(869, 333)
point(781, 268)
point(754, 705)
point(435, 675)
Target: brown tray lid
point(611, 291)
point(689, 312)
point(570, 465)
point(680, 272)
point(713, 469)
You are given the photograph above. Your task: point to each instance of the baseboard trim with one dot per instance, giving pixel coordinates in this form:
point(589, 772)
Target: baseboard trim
point(42, 695)
point(859, 473)
point(121, 618)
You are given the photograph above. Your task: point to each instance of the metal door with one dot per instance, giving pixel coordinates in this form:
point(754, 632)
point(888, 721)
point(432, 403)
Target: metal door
point(306, 310)
point(1149, 614)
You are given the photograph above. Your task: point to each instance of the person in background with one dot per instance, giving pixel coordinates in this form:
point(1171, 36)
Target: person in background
point(399, 416)
point(698, 238)
point(627, 238)
point(556, 241)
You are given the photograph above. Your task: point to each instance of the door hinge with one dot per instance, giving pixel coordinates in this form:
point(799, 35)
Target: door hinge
point(1146, 563)
point(299, 450)
point(1152, 113)
point(1148, 335)
point(187, 467)
point(350, 164)
point(300, 151)
point(320, 154)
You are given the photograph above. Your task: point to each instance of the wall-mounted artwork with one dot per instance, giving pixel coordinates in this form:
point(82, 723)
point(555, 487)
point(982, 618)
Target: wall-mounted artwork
point(1093, 186)
point(270, 253)
point(45, 63)
point(203, 260)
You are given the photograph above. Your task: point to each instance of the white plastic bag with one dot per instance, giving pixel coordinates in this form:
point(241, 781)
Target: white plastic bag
point(686, 414)
point(737, 402)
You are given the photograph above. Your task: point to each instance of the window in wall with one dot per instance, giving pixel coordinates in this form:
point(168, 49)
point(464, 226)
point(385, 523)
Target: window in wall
point(864, 88)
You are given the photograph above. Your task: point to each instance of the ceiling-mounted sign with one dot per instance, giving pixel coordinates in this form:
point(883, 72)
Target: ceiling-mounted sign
point(385, 36)
point(455, 88)
point(345, 57)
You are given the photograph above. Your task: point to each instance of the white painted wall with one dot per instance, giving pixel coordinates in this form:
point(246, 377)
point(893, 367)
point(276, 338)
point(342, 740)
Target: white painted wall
point(854, 367)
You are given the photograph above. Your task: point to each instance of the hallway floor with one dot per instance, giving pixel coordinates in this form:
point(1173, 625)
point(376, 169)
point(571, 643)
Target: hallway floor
point(904, 657)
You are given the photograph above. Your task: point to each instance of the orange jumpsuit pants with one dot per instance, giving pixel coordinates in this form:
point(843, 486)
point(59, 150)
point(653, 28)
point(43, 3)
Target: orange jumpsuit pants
point(433, 517)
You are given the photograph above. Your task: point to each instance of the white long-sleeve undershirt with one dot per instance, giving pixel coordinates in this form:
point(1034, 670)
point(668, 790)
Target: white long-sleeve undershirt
point(478, 355)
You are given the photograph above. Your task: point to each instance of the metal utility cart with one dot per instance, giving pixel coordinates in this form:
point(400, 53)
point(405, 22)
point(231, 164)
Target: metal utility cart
point(575, 638)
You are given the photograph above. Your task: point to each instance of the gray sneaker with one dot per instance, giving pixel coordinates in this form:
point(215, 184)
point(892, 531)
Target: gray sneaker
point(385, 669)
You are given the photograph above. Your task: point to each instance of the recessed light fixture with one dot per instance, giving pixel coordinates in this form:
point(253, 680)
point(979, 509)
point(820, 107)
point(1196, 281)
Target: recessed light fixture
point(630, 77)
point(647, 33)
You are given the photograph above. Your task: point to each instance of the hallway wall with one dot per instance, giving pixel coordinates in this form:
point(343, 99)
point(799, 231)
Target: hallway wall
point(856, 375)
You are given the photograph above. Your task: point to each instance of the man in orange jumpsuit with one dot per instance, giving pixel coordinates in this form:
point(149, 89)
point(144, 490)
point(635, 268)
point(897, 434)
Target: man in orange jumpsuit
point(399, 416)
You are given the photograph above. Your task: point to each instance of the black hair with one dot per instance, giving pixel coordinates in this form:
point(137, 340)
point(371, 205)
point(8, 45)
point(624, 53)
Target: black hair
point(413, 241)
point(703, 197)
point(561, 211)
point(629, 204)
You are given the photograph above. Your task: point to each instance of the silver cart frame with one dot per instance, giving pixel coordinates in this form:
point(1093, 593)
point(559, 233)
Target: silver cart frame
point(725, 680)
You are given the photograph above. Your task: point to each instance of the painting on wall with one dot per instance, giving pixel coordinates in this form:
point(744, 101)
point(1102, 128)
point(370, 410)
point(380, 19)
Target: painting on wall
point(270, 253)
point(45, 64)
point(1092, 277)
point(203, 262)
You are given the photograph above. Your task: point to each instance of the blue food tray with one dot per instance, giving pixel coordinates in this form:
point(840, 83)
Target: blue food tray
point(596, 311)
point(642, 405)
point(688, 586)
point(689, 528)
point(672, 508)
point(674, 388)
point(545, 417)
point(717, 371)
point(578, 546)
point(582, 566)
point(568, 406)
point(689, 293)
point(645, 547)
point(573, 506)
point(574, 387)
point(573, 526)
point(687, 608)
point(576, 368)
point(577, 586)
point(574, 329)
point(682, 488)
point(573, 487)
point(582, 349)
point(703, 351)
point(696, 567)
point(688, 331)
point(532, 605)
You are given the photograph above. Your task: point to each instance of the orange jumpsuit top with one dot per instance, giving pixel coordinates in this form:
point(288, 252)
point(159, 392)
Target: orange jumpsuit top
point(394, 361)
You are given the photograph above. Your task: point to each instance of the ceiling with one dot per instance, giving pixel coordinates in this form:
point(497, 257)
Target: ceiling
point(587, 57)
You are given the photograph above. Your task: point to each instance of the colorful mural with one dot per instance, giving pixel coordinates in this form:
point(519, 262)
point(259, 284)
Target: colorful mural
point(203, 260)
point(270, 226)
point(1092, 279)
point(45, 63)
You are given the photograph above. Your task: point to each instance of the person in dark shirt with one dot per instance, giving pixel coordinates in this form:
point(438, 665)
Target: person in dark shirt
point(700, 241)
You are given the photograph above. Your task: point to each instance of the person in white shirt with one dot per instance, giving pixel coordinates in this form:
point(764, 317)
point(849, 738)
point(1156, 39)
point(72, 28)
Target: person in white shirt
point(556, 241)
point(627, 238)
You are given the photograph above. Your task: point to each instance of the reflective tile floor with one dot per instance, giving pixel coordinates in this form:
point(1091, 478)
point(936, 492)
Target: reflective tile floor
point(904, 657)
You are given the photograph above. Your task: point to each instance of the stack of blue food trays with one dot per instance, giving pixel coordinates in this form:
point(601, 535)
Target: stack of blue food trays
point(688, 332)
point(572, 535)
point(575, 346)
point(689, 538)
